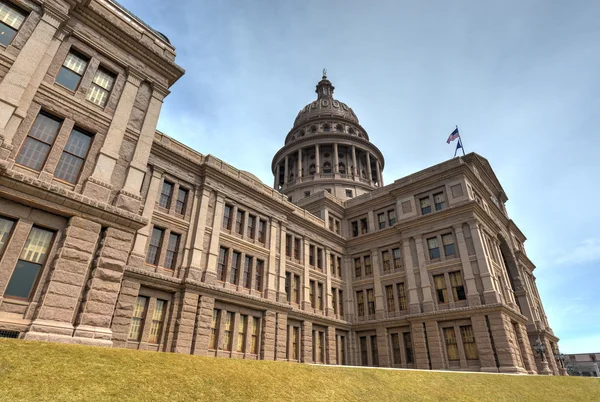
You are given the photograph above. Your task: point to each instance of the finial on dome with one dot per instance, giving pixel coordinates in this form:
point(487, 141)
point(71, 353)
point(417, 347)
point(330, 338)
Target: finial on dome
point(324, 73)
point(324, 87)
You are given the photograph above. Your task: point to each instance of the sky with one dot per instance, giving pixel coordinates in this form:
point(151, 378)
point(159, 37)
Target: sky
point(519, 78)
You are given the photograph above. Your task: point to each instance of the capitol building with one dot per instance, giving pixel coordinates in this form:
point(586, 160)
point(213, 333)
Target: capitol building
point(115, 234)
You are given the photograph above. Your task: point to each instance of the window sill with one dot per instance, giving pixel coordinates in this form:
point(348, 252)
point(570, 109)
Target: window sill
point(17, 300)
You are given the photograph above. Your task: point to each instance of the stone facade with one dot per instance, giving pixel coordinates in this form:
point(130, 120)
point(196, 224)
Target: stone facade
point(152, 245)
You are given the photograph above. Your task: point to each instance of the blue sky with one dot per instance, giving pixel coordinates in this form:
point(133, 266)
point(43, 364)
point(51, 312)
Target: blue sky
point(520, 78)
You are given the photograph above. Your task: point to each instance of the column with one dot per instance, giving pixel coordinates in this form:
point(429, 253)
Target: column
point(379, 177)
point(299, 176)
point(281, 294)
point(472, 294)
point(507, 346)
point(271, 274)
point(383, 348)
point(330, 345)
point(121, 320)
point(137, 258)
point(306, 302)
point(317, 160)
point(329, 301)
point(286, 171)
point(267, 345)
point(490, 295)
point(419, 342)
point(306, 340)
point(369, 172)
point(185, 322)
point(484, 344)
point(428, 304)
point(276, 181)
point(355, 166)
point(206, 306)
point(210, 274)
point(281, 342)
point(434, 341)
point(336, 159)
point(98, 185)
point(414, 306)
point(378, 289)
point(198, 222)
point(129, 195)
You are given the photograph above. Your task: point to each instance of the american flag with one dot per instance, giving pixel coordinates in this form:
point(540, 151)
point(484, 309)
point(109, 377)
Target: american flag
point(453, 136)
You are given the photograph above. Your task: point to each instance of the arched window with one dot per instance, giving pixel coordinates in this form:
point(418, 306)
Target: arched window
point(313, 129)
point(351, 131)
point(339, 127)
point(363, 174)
point(312, 169)
point(327, 167)
point(326, 128)
point(302, 133)
point(342, 168)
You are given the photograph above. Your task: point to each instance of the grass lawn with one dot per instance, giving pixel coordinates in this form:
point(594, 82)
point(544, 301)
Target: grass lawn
point(37, 371)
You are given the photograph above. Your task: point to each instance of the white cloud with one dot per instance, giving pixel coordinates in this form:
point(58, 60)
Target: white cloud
point(587, 251)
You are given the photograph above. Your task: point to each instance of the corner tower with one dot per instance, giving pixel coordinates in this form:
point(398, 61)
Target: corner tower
point(327, 150)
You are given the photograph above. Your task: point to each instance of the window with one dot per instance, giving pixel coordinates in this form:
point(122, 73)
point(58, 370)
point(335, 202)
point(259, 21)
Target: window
point(332, 264)
point(408, 350)
point(396, 349)
point(311, 171)
point(182, 195)
point(468, 339)
point(349, 193)
point(311, 294)
point(258, 274)
point(221, 266)
point(307, 194)
point(154, 246)
point(440, 288)
point(139, 313)
point(389, 293)
point(227, 331)
point(403, 301)
point(288, 245)
point(364, 353)
point(73, 156)
point(385, 257)
point(251, 224)
point(214, 330)
point(451, 345)
point(364, 227)
point(239, 222)
point(381, 220)
point(6, 226)
point(374, 352)
point(227, 217)
point(296, 289)
point(425, 206)
point(254, 337)
point(341, 300)
point(72, 70)
point(440, 201)
point(297, 249)
point(354, 228)
point(360, 300)
point(320, 296)
point(30, 263)
point(357, 268)
point(392, 217)
point(371, 301)
point(342, 350)
point(368, 267)
point(157, 321)
point(337, 226)
point(233, 273)
point(288, 286)
point(326, 127)
point(449, 247)
point(246, 274)
point(458, 289)
point(320, 258)
point(434, 249)
point(165, 195)
point(11, 20)
point(295, 338)
point(327, 167)
point(241, 339)
point(311, 255)
point(334, 300)
point(397, 258)
point(38, 142)
point(172, 246)
point(101, 86)
point(339, 266)
point(261, 230)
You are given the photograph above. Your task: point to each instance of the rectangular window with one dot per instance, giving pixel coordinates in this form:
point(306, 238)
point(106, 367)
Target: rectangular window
point(297, 248)
point(385, 257)
point(364, 353)
point(72, 70)
point(334, 300)
point(227, 331)
point(341, 299)
point(374, 352)
point(258, 274)
point(154, 246)
point(73, 156)
point(296, 289)
point(320, 258)
point(368, 266)
point(6, 226)
point(371, 301)
point(139, 314)
point(397, 258)
point(254, 337)
point(101, 86)
point(222, 265)
point(342, 360)
point(311, 294)
point(239, 222)
point(241, 339)
point(391, 303)
point(11, 20)
point(182, 195)
point(381, 220)
point(440, 201)
point(440, 288)
point(320, 296)
point(337, 226)
point(449, 247)
point(165, 195)
point(360, 300)
point(332, 264)
point(425, 206)
point(339, 266)
point(288, 286)
point(172, 247)
point(468, 339)
point(458, 289)
point(246, 272)
point(392, 217)
point(402, 300)
point(214, 330)
point(30, 263)
point(251, 224)
point(396, 349)
point(331, 223)
point(233, 273)
point(262, 224)
point(434, 248)
point(364, 227)
point(408, 349)
point(38, 142)
point(451, 345)
point(354, 228)
point(311, 255)
point(295, 339)
point(157, 321)
point(227, 217)
point(288, 245)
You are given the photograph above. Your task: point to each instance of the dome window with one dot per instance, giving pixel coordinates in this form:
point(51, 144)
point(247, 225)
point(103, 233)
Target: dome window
point(326, 154)
point(326, 128)
point(313, 129)
point(342, 168)
point(339, 127)
point(350, 131)
point(327, 167)
point(302, 133)
point(312, 169)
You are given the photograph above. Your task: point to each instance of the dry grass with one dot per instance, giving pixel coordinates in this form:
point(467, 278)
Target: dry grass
point(53, 372)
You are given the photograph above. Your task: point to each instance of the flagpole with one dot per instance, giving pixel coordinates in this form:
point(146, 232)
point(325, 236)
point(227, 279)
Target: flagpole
point(462, 146)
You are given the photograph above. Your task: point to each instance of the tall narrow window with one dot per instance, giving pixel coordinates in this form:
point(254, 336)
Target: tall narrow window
point(396, 349)
point(172, 246)
point(360, 300)
point(468, 339)
point(403, 302)
point(332, 264)
point(258, 274)
point(449, 247)
point(157, 321)
point(37, 145)
point(357, 268)
point(364, 227)
point(339, 266)
point(440, 288)
point(458, 289)
point(101, 86)
point(440, 201)
point(434, 248)
point(392, 217)
point(233, 273)
point(368, 266)
point(297, 248)
point(227, 217)
point(241, 339)
point(311, 255)
point(239, 222)
point(320, 258)
point(334, 300)
point(72, 70)
point(425, 205)
point(6, 226)
point(154, 246)
point(451, 345)
point(364, 353)
point(374, 351)
point(254, 337)
point(354, 228)
point(73, 156)
point(139, 313)
point(227, 331)
point(165, 195)
point(381, 220)
point(296, 289)
point(11, 20)
point(182, 195)
point(262, 224)
point(246, 272)
point(341, 299)
point(288, 286)
point(214, 330)
point(320, 296)
point(385, 257)
point(311, 294)
point(288, 245)
point(30, 263)
point(251, 224)
point(408, 349)
point(295, 340)
point(371, 301)
point(221, 266)
point(397, 258)
point(391, 303)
